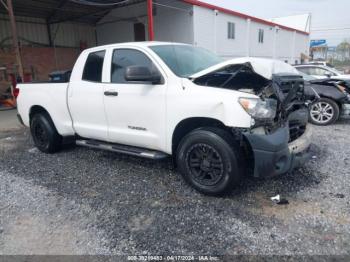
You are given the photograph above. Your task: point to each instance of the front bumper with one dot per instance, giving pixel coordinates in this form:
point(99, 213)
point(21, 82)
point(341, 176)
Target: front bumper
point(274, 156)
point(345, 112)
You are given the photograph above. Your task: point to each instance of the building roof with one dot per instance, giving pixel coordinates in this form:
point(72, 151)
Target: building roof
point(238, 14)
point(300, 21)
point(56, 11)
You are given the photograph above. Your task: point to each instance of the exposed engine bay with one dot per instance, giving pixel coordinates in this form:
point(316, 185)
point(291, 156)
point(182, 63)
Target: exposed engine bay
point(286, 88)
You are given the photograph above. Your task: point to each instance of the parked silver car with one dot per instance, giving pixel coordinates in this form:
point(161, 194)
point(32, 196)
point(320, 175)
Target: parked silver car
point(321, 71)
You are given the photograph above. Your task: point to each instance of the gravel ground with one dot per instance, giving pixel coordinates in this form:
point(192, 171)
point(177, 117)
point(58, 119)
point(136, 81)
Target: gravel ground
point(82, 201)
point(8, 120)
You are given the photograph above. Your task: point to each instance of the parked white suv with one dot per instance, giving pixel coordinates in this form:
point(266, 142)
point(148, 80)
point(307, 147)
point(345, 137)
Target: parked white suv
point(321, 71)
point(152, 99)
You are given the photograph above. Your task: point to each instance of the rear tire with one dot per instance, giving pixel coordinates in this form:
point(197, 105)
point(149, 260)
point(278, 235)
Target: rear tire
point(323, 112)
point(208, 161)
point(44, 133)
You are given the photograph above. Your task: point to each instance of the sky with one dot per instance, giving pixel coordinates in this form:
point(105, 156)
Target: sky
point(326, 14)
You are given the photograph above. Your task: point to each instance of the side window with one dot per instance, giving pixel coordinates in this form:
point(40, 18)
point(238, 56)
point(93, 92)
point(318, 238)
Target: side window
point(305, 70)
point(122, 58)
point(230, 30)
point(261, 36)
point(320, 71)
point(93, 66)
point(311, 71)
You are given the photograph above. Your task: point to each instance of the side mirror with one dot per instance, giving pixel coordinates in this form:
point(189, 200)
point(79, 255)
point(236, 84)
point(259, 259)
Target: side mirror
point(328, 74)
point(142, 74)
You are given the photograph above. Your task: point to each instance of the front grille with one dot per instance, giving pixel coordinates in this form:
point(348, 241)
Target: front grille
point(296, 130)
point(289, 84)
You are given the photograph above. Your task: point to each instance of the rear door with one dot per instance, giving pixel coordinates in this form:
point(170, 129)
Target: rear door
point(85, 99)
point(135, 110)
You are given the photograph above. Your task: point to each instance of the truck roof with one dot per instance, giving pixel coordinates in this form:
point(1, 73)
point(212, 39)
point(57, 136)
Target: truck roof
point(136, 44)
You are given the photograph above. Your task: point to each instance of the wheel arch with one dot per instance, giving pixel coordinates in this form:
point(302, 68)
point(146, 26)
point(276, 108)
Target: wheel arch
point(37, 109)
point(337, 101)
point(187, 125)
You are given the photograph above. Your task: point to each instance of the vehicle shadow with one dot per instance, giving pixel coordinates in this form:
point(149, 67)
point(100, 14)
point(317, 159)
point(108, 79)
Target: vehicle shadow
point(343, 121)
point(78, 171)
point(290, 183)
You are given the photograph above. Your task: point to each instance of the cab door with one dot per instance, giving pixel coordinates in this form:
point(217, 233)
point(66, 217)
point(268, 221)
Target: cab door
point(86, 98)
point(135, 110)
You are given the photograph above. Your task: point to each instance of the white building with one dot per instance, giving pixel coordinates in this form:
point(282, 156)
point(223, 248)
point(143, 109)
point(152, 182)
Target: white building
point(226, 32)
point(51, 33)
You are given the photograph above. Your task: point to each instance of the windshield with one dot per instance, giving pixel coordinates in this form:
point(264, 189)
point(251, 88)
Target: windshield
point(186, 60)
point(335, 71)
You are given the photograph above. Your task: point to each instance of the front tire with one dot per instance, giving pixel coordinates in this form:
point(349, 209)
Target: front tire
point(44, 133)
point(208, 161)
point(323, 112)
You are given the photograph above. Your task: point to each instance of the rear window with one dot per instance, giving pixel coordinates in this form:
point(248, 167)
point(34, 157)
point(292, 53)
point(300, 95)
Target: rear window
point(93, 66)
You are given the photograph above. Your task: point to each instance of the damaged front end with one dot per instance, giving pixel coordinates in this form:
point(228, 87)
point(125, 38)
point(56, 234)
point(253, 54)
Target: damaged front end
point(282, 144)
point(279, 137)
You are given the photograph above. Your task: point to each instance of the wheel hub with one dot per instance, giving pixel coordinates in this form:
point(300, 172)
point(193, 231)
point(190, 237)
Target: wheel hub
point(40, 135)
point(205, 164)
point(322, 112)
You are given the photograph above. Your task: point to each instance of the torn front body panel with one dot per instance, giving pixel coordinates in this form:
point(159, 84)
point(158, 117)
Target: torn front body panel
point(285, 146)
point(271, 152)
point(278, 144)
point(282, 150)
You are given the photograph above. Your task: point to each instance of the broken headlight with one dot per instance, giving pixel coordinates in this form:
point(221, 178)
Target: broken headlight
point(341, 88)
point(259, 109)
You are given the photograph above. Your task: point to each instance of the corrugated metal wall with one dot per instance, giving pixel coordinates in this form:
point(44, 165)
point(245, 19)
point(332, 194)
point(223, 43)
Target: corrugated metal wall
point(70, 34)
point(34, 30)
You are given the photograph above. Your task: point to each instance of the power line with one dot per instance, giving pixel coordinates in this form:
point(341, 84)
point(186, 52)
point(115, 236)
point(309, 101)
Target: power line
point(93, 3)
point(330, 29)
point(172, 7)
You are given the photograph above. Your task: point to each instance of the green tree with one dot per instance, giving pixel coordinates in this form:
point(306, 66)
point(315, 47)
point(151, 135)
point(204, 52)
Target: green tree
point(344, 50)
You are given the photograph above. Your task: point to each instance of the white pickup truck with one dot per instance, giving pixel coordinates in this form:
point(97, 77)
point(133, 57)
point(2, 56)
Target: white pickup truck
point(219, 120)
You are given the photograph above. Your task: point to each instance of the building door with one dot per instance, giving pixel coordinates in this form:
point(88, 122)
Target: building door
point(139, 32)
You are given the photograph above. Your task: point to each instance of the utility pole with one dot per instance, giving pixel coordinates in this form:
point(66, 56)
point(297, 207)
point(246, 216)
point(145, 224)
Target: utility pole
point(150, 20)
point(274, 42)
point(248, 37)
point(9, 8)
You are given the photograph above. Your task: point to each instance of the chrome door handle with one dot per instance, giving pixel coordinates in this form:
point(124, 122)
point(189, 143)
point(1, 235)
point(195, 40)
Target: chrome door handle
point(111, 93)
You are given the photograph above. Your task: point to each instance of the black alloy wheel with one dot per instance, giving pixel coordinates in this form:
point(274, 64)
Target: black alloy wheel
point(44, 133)
point(205, 164)
point(208, 159)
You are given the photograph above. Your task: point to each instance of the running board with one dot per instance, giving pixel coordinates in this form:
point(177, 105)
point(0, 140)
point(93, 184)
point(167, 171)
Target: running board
point(129, 150)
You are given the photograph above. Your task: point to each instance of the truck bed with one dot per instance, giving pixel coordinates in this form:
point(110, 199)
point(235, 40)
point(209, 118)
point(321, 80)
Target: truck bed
point(50, 96)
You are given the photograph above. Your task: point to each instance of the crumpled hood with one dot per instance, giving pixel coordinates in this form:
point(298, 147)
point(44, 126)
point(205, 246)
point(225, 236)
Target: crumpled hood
point(262, 66)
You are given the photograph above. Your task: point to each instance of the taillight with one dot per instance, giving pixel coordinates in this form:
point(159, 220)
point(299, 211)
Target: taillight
point(16, 92)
